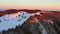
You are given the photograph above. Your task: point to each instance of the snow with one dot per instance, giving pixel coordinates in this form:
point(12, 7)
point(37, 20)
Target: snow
point(12, 20)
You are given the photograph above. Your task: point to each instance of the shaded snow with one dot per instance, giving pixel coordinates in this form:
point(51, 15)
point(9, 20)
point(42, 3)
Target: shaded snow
point(12, 20)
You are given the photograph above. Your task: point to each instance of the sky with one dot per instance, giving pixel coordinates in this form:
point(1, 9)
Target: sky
point(30, 4)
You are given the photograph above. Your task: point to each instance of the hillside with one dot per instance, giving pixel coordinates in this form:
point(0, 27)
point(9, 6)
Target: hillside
point(26, 21)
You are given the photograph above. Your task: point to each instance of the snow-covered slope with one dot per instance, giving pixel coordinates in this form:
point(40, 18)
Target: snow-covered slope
point(12, 20)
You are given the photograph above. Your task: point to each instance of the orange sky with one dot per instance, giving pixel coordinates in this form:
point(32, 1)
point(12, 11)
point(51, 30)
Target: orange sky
point(30, 4)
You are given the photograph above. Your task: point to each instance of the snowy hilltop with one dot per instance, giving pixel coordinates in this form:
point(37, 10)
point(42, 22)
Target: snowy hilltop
point(13, 20)
point(29, 22)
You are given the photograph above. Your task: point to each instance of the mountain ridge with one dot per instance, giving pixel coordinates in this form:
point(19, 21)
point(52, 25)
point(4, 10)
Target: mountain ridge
point(49, 21)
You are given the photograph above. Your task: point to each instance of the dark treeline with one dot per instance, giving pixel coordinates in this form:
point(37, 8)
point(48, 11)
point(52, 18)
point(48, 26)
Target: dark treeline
point(41, 27)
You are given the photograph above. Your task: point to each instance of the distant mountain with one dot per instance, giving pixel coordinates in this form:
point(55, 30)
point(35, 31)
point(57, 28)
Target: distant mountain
point(26, 21)
point(1, 9)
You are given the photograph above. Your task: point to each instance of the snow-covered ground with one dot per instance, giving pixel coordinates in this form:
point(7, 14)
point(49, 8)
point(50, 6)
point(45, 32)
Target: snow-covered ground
point(12, 20)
